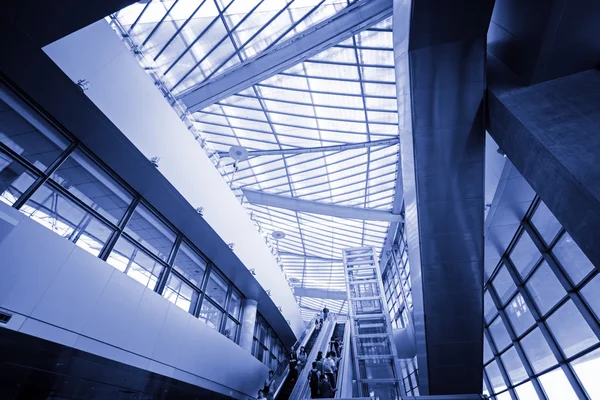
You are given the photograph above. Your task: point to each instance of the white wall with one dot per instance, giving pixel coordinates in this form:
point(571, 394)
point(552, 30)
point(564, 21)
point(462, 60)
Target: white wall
point(128, 97)
point(59, 292)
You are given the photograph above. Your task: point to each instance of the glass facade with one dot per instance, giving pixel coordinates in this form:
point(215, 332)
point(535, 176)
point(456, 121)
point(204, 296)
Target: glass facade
point(541, 313)
point(266, 346)
point(397, 285)
point(60, 185)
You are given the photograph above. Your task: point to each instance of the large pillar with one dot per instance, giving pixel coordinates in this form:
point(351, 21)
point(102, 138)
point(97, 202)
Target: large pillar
point(248, 321)
point(550, 132)
point(439, 52)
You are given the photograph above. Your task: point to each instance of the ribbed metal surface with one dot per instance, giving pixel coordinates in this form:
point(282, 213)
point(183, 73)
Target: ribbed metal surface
point(441, 44)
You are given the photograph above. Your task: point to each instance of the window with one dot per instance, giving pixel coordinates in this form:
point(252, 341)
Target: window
point(562, 323)
point(135, 262)
point(526, 391)
point(231, 329)
point(180, 293)
point(494, 376)
point(545, 223)
point(514, 366)
point(519, 315)
point(489, 309)
point(84, 179)
point(487, 350)
point(557, 386)
point(59, 214)
point(148, 230)
point(210, 314)
point(235, 305)
point(190, 265)
point(591, 294)
point(499, 334)
point(525, 255)
point(570, 329)
point(40, 147)
point(14, 179)
point(545, 288)
point(504, 285)
point(216, 288)
point(572, 259)
point(587, 368)
point(538, 351)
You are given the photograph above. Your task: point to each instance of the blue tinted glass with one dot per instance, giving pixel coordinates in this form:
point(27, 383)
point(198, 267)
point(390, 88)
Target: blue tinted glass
point(545, 223)
point(148, 230)
point(572, 259)
point(525, 255)
point(88, 182)
point(538, 351)
point(570, 329)
point(591, 294)
point(514, 366)
point(499, 334)
point(40, 144)
point(545, 288)
point(504, 285)
point(519, 314)
point(14, 179)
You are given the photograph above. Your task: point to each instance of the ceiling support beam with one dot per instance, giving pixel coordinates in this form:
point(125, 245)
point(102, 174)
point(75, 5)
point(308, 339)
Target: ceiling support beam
point(321, 293)
point(314, 207)
point(343, 25)
point(308, 257)
point(323, 149)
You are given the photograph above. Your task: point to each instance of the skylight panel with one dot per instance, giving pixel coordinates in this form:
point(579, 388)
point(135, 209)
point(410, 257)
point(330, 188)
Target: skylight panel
point(337, 100)
point(340, 114)
point(335, 86)
point(378, 74)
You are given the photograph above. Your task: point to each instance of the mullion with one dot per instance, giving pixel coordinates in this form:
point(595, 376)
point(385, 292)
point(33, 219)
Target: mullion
point(164, 47)
point(159, 23)
point(511, 332)
point(571, 290)
point(497, 354)
point(271, 86)
point(230, 33)
point(44, 176)
point(112, 241)
point(166, 272)
point(300, 103)
point(526, 229)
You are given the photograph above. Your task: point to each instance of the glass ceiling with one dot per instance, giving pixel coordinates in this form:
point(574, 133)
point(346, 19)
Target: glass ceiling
point(191, 41)
point(345, 94)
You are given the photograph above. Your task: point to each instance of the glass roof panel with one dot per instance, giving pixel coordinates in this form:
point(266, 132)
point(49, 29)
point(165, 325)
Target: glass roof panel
point(344, 95)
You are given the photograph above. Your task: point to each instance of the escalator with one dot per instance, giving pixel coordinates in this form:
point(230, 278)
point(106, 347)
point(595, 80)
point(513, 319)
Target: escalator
point(338, 332)
point(288, 385)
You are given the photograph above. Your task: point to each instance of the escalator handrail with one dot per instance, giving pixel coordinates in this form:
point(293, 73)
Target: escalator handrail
point(321, 344)
point(281, 376)
point(344, 383)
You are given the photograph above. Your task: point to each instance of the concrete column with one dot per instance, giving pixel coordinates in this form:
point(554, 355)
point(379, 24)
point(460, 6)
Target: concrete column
point(439, 54)
point(549, 132)
point(248, 321)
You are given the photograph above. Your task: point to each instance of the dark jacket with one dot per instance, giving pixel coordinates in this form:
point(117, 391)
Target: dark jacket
point(325, 389)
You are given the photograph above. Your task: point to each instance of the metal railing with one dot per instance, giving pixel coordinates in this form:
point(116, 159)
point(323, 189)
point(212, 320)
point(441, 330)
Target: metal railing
point(345, 372)
point(284, 368)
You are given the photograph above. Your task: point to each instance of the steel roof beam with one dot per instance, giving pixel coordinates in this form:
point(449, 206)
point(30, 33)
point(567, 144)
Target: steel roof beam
point(304, 150)
point(343, 25)
point(321, 293)
point(309, 257)
point(313, 207)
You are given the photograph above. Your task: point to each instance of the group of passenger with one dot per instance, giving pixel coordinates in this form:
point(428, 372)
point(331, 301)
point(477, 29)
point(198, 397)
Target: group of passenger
point(322, 376)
